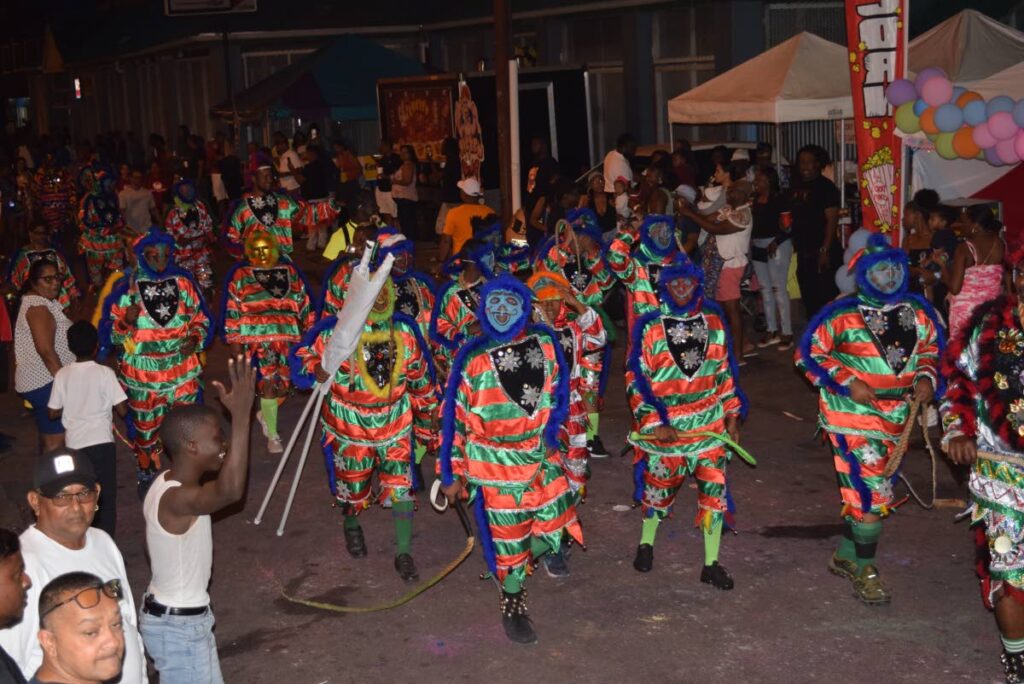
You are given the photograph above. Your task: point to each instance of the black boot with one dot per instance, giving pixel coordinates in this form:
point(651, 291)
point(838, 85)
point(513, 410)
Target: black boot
point(716, 576)
point(644, 560)
point(355, 543)
point(517, 624)
point(406, 567)
point(1013, 666)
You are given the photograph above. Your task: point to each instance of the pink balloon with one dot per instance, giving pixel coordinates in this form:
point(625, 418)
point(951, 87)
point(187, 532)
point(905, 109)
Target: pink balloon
point(1007, 151)
point(937, 91)
point(1018, 144)
point(1002, 126)
point(983, 137)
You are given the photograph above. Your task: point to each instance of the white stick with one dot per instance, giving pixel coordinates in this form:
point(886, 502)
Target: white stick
point(313, 424)
point(284, 458)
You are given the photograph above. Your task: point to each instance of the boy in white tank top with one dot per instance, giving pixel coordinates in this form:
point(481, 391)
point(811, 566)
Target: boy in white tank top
point(178, 528)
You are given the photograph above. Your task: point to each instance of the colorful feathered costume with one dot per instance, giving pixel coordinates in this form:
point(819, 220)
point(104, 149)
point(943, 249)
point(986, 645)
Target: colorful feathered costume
point(100, 220)
point(454, 318)
point(190, 224)
point(637, 256)
point(55, 193)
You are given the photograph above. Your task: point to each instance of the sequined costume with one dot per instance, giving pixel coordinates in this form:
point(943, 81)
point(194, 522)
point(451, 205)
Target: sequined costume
point(55, 195)
point(159, 365)
point(17, 274)
point(189, 222)
point(454, 318)
point(100, 220)
point(636, 257)
point(276, 213)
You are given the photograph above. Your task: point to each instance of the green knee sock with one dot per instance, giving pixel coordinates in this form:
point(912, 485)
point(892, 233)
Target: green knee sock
point(593, 419)
point(712, 542)
point(421, 449)
point(649, 529)
point(268, 407)
point(351, 522)
point(1012, 645)
point(865, 538)
point(401, 513)
point(512, 585)
point(847, 550)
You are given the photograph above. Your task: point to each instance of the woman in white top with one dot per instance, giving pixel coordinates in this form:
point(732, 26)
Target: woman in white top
point(41, 347)
point(731, 227)
point(403, 191)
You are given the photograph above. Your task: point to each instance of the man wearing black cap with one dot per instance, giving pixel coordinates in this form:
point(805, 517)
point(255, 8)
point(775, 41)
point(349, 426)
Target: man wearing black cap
point(63, 498)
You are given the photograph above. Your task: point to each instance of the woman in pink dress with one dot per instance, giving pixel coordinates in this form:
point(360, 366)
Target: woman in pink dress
point(976, 273)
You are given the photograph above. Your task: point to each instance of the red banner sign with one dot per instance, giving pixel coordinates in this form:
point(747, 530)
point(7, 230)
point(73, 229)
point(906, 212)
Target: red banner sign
point(876, 34)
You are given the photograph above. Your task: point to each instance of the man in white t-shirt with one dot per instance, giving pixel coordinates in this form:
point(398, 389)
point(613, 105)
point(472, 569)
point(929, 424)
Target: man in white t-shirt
point(288, 164)
point(63, 498)
point(616, 162)
point(83, 396)
point(137, 204)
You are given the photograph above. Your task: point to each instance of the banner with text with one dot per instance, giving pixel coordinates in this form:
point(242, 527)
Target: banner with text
point(876, 34)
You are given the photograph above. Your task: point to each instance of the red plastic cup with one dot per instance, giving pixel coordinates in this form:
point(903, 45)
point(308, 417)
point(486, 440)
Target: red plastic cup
point(787, 219)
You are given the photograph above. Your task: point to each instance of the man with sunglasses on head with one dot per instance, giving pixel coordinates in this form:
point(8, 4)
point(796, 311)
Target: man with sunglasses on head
point(64, 499)
point(81, 630)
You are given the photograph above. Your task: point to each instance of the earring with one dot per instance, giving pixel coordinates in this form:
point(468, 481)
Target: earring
point(96, 508)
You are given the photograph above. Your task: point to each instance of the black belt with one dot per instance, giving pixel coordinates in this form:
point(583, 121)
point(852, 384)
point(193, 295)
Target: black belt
point(152, 607)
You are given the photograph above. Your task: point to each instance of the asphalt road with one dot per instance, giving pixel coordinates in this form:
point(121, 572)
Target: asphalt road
point(788, 619)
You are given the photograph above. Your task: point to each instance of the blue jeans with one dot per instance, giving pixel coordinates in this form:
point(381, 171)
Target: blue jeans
point(773, 275)
point(183, 648)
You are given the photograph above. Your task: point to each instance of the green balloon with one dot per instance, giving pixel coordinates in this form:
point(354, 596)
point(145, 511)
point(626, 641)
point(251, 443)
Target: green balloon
point(906, 120)
point(944, 146)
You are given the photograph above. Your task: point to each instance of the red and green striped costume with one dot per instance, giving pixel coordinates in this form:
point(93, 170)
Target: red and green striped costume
point(680, 373)
point(276, 213)
point(156, 374)
point(382, 400)
point(636, 261)
point(28, 255)
point(496, 437)
point(192, 229)
point(266, 310)
point(100, 220)
point(888, 346)
point(453, 316)
point(55, 193)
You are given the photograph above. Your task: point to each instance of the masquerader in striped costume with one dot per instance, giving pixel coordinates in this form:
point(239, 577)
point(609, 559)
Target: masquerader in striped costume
point(263, 209)
point(339, 273)
point(867, 352)
point(55, 193)
point(382, 403)
point(39, 248)
point(158, 316)
point(681, 378)
point(101, 223)
point(454, 319)
point(191, 226)
point(575, 252)
point(506, 399)
point(508, 257)
point(984, 411)
point(265, 308)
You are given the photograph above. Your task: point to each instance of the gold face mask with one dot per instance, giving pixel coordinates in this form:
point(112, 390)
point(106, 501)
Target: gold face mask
point(261, 249)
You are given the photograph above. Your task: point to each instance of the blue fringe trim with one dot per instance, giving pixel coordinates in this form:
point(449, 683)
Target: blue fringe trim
point(420, 277)
point(560, 408)
point(639, 469)
point(504, 282)
point(643, 384)
point(106, 328)
point(428, 357)
point(444, 454)
point(734, 368)
point(300, 378)
point(855, 477)
point(483, 533)
point(450, 345)
point(645, 237)
point(328, 449)
point(812, 366)
point(543, 249)
point(866, 261)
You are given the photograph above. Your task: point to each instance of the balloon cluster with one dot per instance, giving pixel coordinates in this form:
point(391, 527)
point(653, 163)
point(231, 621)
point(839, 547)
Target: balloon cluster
point(960, 122)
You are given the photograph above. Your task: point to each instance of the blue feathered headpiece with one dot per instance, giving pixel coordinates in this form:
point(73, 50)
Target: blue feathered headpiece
point(185, 191)
point(584, 222)
point(507, 283)
point(491, 233)
point(645, 234)
point(681, 267)
point(878, 250)
point(155, 237)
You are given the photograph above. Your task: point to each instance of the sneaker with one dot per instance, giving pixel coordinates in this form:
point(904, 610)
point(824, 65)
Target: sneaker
point(274, 445)
point(847, 569)
point(750, 351)
point(406, 567)
point(514, 618)
point(644, 560)
point(355, 543)
point(868, 587)
point(785, 343)
point(263, 424)
point(716, 576)
point(596, 448)
point(769, 339)
point(555, 565)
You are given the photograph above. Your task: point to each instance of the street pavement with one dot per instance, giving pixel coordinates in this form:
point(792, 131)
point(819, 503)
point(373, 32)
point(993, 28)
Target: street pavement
point(787, 620)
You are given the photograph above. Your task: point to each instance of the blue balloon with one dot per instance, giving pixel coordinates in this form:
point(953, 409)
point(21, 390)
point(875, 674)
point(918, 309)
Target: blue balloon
point(974, 113)
point(1001, 103)
point(957, 92)
point(1018, 113)
point(920, 106)
point(949, 118)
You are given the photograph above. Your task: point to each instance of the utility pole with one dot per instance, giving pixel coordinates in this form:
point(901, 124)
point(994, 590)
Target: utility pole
point(502, 52)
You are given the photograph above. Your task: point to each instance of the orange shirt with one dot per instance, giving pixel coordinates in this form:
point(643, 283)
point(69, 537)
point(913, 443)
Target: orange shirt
point(458, 223)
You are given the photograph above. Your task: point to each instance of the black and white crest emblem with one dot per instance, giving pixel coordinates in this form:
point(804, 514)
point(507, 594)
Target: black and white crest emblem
point(263, 208)
point(653, 271)
point(894, 331)
point(568, 342)
point(687, 340)
point(520, 368)
point(470, 296)
point(160, 299)
point(406, 299)
point(42, 255)
point(578, 276)
point(190, 219)
point(379, 358)
point(274, 280)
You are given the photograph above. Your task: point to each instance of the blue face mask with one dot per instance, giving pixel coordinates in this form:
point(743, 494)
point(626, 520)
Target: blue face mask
point(886, 276)
point(682, 290)
point(661, 235)
point(504, 308)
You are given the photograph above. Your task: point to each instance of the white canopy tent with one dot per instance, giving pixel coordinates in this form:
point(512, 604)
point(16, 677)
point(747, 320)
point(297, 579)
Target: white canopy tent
point(968, 46)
